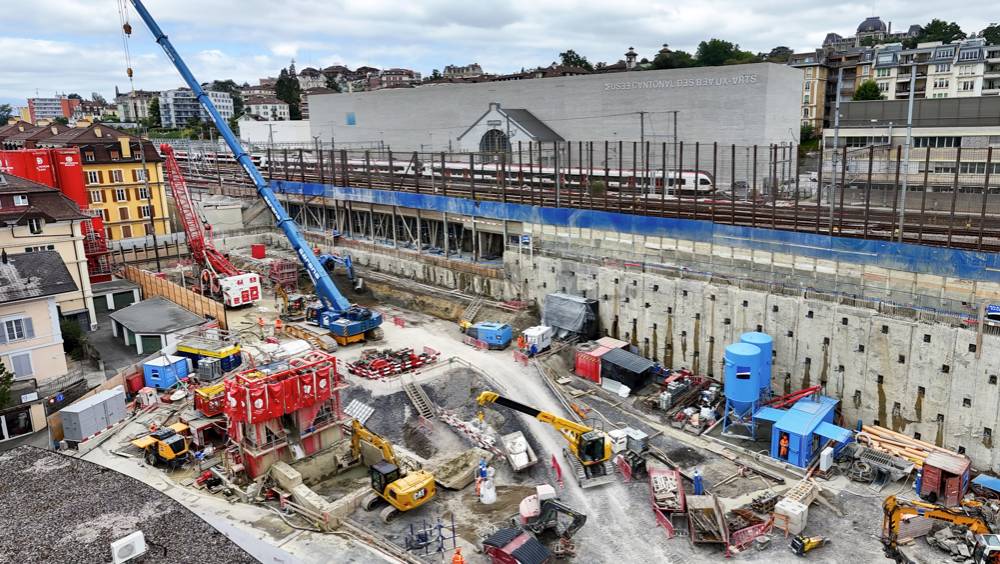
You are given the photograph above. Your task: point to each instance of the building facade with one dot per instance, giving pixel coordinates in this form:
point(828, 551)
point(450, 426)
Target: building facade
point(51, 108)
point(36, 218)
point(815, 74)
point(116, 175)
point(30, 337)
point(742, 104)
point(133, 107)
point(178, 107)
point(467, 71)
point(965, 69)
point(311, 78)
point(271, 109)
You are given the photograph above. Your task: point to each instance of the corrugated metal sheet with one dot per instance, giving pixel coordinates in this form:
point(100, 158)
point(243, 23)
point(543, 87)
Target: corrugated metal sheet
point(900, 256)
point(629, 361)
point(952, 464)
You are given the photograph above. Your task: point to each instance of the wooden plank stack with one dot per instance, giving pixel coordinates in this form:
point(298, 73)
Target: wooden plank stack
point(898, 444)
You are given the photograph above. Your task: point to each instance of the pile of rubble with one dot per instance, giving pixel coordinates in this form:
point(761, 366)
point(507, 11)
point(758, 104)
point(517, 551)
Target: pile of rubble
point(956, 540)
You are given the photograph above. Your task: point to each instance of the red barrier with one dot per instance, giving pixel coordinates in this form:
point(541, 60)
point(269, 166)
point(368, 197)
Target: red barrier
point(558, 471)
point(398, 321)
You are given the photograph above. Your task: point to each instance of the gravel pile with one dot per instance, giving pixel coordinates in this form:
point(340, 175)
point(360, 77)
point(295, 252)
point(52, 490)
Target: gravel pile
point(56, 508)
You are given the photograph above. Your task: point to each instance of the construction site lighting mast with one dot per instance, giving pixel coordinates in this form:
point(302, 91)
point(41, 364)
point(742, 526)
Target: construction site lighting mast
point(339, 316)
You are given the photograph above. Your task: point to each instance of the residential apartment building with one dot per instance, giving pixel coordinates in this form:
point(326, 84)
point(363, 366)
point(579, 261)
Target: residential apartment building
point(467, 71)
point(870, 32)
point(393, 78)
point(269, 108)
point(116, 175)
point(814, 82)
point(311, 78)
point(94, 111)
point(133, 107)
point(51, 108)
point(964, 69)
point(36, 218)
point(30, 337)
point(178, 107)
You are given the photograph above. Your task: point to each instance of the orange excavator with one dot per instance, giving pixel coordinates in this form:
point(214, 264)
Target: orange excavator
point(987, 549)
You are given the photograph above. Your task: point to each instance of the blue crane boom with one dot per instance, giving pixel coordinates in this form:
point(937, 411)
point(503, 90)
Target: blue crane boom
point(338, 315)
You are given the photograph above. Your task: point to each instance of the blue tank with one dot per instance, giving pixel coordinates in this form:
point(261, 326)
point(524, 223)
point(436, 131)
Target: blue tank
point(765, 343)
point(742, 376)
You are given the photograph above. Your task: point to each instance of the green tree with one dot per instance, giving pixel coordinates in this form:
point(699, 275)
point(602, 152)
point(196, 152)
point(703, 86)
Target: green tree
point(991, 34)
point(806, 133)
point(287, 90)
point(74, 339)
point(674, 60)
point(6, 381)
point(779, 54)
point(154, 113)
point(868, 91)
point(96, 97)
point(435, 74)
point(62, 120)
point(940, 30)
point(717, 52)
point(6, 111)
point(75, 96)
point(332, 84)
point(571, 58)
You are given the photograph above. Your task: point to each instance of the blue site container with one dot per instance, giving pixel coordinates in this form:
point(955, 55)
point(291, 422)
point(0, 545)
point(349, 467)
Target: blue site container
point(496, 335)
point(164, 372)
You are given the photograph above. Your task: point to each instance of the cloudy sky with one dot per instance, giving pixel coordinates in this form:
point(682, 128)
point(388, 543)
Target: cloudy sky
point(76, 45)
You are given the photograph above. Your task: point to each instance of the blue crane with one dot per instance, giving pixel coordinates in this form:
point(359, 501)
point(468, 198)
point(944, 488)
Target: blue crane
point(348, 323)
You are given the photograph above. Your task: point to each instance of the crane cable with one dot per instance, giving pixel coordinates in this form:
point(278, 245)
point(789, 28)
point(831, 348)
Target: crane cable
point(126, 33)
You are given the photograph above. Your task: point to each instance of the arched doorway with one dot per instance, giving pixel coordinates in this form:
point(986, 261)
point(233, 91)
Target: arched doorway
point(494, 141)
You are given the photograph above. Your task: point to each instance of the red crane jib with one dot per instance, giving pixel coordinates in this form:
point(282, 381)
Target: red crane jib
point(202, 249)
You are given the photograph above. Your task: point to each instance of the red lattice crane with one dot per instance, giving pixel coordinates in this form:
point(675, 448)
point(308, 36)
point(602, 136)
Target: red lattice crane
point(221, 277)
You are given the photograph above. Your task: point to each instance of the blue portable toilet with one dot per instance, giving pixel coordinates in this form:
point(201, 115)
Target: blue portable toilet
point(164, 372)
point(765, 343)
point(496, 335)
point(742, 387)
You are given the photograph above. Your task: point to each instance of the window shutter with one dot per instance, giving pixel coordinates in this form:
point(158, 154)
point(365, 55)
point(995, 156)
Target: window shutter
point(100, 177)
point(29, 328)
point(135, 177)
point(152, 210)
point(22, 365)
point(3, 333)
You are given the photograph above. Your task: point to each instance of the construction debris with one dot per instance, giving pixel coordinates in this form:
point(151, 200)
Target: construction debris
point(376, 364)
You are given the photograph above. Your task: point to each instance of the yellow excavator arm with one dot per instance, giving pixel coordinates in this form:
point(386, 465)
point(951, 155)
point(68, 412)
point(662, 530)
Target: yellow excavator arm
point(361, 433)
point(893, 511)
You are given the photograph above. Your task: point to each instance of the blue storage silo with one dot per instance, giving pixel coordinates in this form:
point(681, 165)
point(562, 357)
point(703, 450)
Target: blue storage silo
point(743, 383)
point(765, 343)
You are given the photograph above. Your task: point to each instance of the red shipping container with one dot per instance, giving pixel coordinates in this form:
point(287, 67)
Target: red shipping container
point(257, 251)
point(588, 364)
point(292, 402)
point(69, 175)
point(135, 382)
point(275, 400)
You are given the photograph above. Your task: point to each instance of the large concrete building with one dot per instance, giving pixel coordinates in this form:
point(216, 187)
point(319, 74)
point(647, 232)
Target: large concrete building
point(744, 104)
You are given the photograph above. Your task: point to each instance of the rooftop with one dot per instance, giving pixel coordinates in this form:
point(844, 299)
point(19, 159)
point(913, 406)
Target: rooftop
point(63, 509)
point(119, 285)
point(25, 276)
point(43, 201)
point(156, 316)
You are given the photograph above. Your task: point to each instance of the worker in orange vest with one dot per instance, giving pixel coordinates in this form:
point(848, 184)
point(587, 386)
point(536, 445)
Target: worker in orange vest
point(278, 326)
point(521, 342)
point(783, 446)
point(458, 558)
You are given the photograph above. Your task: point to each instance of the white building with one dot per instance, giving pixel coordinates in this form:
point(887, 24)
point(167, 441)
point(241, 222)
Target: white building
point(178, 107)
point(271, 109)
point(311, 78)
point(966, 69)
point(133, 106)
point(254, 131)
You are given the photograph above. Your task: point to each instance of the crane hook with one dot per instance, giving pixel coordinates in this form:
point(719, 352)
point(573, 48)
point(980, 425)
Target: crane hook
point(127, 28)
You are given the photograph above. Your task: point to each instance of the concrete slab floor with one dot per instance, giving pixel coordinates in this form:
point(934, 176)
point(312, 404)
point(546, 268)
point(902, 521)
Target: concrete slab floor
point(620, 525)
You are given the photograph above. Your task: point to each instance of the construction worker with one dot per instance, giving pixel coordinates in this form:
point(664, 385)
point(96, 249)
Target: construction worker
point(260, 325)
point(278, 325)
point(458, 558)
point(783, 446)
point(521, 342)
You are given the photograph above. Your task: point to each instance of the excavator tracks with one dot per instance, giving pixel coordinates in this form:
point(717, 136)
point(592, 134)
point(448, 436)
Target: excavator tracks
point(580, 472)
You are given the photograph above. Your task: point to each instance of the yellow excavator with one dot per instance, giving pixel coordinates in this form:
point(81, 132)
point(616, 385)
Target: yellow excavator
point(588, 451)
point(987, 549)
point(293, 305)
point(402, 490)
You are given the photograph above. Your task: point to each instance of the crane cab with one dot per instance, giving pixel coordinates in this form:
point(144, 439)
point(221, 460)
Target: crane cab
point(593, 448)
point(987, 550)
point(404, 492)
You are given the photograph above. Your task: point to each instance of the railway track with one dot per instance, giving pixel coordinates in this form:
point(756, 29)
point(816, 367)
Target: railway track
point(959, 230)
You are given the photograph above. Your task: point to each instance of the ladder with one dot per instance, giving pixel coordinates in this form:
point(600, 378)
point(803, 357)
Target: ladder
point(419, 399)
point(470, 313)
